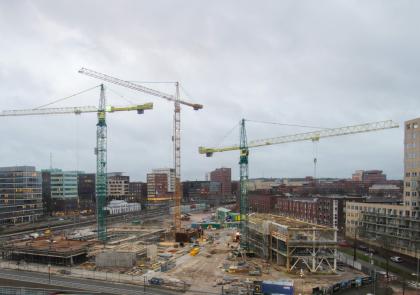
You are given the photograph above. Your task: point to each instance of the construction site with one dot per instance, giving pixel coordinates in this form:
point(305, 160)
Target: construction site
point(228, 251)
point(209, 257)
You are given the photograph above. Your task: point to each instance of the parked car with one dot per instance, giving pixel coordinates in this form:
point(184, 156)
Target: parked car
point(396, 259)
point(156, 281)
point(363, 247)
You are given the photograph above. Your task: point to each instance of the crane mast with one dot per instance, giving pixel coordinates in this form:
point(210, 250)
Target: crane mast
point(244, 147)
point(243, 185)
point(177, 159)
point(101, 167)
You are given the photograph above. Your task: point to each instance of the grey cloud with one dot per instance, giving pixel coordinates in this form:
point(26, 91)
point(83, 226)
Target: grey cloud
point(330, 63)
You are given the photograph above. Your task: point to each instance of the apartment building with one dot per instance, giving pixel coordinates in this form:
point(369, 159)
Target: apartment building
point(412, 166)
point(397, 225)
point(20, 194)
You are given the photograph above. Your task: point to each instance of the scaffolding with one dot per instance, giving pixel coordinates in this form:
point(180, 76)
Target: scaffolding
point(292, 243)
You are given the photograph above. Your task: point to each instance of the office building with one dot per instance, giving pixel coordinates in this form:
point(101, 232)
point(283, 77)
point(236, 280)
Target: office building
point(137, 192)
point(86, 191)
point(170, 174)
point(117, 186)
point(157, 187)
point(200, 191)
point(224, 177)
point(60, 190)
point(20, 194)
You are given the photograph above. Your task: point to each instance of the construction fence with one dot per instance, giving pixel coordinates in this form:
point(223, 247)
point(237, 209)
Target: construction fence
point(140, 280)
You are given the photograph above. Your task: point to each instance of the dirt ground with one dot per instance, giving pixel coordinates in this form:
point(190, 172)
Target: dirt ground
point(205, 271)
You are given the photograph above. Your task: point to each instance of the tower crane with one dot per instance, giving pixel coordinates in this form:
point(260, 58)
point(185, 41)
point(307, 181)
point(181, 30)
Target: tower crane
point(101, 144)
point(244, 147)
point(177, 126)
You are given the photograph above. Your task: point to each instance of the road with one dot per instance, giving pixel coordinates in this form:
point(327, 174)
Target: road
point(406, 266)
point(81, 284)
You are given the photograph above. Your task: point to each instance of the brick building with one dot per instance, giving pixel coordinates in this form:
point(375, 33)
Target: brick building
point(224, 177)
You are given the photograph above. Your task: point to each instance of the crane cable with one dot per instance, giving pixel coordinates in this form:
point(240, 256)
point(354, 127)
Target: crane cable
point(67, 97)
point(285, 124)
point(315, 154)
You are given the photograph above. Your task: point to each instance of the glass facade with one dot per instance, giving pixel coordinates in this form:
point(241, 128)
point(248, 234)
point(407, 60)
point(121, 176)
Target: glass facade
point(20, 194)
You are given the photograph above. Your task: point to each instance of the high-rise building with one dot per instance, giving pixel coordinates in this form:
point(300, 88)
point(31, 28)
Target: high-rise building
point(224, 176)
point(86, 191)
point(20, 194)
point(60, 190)
point(117, 186)
point(412, 166)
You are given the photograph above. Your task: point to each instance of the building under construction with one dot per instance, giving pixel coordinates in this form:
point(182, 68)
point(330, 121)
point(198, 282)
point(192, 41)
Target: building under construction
point(292, 243)
point(56, 251)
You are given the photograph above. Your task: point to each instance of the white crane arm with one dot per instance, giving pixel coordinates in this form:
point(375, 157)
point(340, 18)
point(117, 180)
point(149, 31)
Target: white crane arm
point(137, 87)
point(50, 111)
point(75, 110)
point(314, 136)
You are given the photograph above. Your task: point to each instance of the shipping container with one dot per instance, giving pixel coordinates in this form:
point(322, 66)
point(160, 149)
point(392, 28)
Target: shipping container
point(281, 287)
point(222, 213)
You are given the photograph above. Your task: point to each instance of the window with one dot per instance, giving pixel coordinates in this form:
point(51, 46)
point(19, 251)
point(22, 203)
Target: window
point(407, 174)
point(414, 194)
point(408, 126)
point(415, 125)
point(407, 184)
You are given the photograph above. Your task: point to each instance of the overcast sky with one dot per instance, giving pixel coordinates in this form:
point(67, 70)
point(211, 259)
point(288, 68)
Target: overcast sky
point(316, 63)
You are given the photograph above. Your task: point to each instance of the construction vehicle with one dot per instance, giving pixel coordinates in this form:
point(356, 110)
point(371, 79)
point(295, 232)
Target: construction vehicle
point(101, 144)
point(194, 251)
point(177, 127)
point(244, 147)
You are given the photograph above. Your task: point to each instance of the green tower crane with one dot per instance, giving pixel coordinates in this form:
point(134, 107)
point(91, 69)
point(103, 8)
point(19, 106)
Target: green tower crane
point(244, 147)
point(101, 144)
point(243, 187)
point(101, 182)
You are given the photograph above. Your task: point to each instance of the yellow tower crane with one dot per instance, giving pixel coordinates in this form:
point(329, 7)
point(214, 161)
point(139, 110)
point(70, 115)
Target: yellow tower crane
point(244, 147)
point(177, 127)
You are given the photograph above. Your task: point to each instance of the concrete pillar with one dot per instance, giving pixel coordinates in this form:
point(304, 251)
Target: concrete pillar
point(313, 251)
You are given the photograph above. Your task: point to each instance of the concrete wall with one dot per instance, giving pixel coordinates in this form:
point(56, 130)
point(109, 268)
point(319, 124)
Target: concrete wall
point(115, 259)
